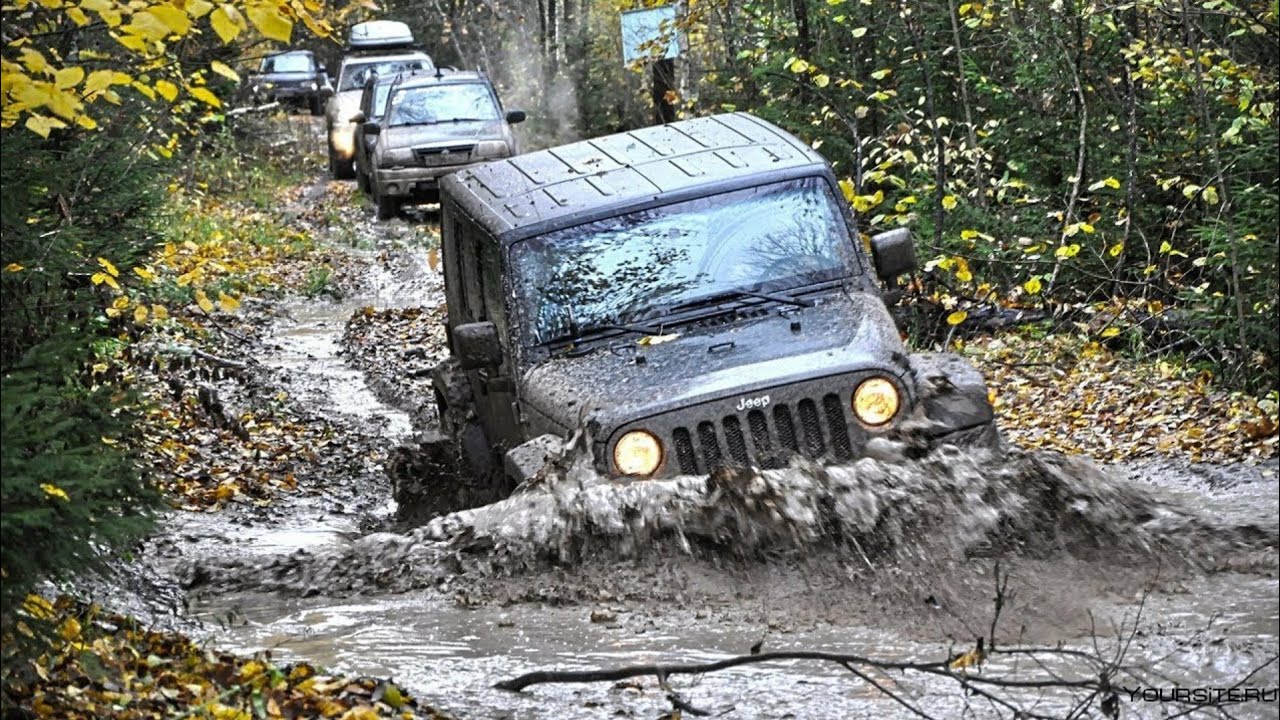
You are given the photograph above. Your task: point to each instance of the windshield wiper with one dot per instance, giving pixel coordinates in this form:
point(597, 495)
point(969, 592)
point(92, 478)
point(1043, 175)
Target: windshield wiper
point(735, 294)
point(586, 333)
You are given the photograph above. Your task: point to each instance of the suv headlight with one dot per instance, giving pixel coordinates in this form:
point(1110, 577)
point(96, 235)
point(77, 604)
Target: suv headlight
point(637, 453)
point(876, 401)
point(492, 149)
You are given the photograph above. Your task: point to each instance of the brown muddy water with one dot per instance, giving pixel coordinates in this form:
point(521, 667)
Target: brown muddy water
point(1170, 567)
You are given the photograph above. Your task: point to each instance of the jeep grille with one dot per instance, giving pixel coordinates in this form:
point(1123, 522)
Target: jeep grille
point(766, 437)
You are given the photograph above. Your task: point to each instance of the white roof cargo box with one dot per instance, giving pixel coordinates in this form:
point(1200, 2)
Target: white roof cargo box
point(379, 34)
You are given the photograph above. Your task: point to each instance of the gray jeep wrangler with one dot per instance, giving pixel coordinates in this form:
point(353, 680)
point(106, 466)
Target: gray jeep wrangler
point(693, 296)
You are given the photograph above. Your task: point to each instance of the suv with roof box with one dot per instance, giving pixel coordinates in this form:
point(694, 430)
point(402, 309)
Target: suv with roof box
point(686, 297)
point(432, 125)
point(342, 106)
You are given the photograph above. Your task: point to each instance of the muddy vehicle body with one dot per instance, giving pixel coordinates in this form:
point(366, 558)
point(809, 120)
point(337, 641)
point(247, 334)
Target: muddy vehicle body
point(342, 107)
point(373, 100)
point(294, 77)
point(433, 124)
point(695, 295)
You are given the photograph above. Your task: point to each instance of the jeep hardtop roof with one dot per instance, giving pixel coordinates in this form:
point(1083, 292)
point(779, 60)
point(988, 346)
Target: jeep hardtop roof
point(567, 185)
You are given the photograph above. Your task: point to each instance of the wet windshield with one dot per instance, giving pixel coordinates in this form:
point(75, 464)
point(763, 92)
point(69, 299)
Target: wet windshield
point(380, 94)
point(290, 63)
point(772, 238)
point(354, 74)
point(442, 103)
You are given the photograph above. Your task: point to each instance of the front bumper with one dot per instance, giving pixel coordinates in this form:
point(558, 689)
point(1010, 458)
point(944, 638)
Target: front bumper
point(411, 181)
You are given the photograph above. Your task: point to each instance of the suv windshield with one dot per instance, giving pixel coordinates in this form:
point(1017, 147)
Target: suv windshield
point(442, 103)
point(774, 237)
point(355, 73)
point(290, 63)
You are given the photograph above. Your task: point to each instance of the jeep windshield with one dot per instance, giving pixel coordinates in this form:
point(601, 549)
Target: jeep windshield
point(288, 63)
point(765, 242)
point(431, 104)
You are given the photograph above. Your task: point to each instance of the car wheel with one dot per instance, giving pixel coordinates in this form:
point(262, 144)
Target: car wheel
point(388, 207)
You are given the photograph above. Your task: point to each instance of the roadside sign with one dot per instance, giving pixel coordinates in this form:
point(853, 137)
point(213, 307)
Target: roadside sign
point(642, 29)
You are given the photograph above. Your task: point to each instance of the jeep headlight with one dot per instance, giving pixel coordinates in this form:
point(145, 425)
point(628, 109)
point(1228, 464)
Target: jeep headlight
point(637, 452)
point(313, 87)
point(876, 401)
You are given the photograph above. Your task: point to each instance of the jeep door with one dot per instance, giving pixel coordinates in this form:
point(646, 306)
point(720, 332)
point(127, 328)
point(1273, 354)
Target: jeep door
point(481, 297)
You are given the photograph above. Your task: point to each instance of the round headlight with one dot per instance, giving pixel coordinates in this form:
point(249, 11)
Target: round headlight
point(875, 402)
point(637, 453)
point(313, 87)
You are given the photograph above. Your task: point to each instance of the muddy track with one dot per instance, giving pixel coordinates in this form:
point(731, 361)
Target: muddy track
point(886, 556)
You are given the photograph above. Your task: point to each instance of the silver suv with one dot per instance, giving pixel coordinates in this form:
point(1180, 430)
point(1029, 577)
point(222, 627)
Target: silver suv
point(345, 103)
point(433, 125)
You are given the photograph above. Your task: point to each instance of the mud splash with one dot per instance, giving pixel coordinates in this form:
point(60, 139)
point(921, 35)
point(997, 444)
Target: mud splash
point(881, 510)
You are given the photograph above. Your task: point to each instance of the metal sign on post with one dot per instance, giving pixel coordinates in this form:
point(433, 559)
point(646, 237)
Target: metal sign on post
point(651, 34)
point(642, 29)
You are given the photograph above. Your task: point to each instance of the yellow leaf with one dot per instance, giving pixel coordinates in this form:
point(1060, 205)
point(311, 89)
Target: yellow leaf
point(69, 629)
point(42, 124)
point(198, 8)
point(881, 74)
point(227, 22)
point(797, 66)
point(140, 314)
point(847, 187)
point(859, 32)
point(77, 16)
point(54, 491)
point(1067, 251)
point(159, 312)
point(1111, 332)
point(205, 96)
point(1112, 183)
point(1211, 195)
point(145, 90)
point(1087, 228)
point(1165, 247)
point(86, 122)
point(957, 317)
point(227, 303)
point(167, 90)
point(98, 81)
point(37, 607)
point(224, 70)
point(963, 275)
point(68, 77)
point(34, 61)
point(106, 265)
point(271, 22)
point(1032, 286)
point(13, 268)
point(656, 339)
point(145, 26)
point(173, 18)
point(145, 273)
point(949, 202)
point(1116, 250)
point(203, 301)
point(822, 81)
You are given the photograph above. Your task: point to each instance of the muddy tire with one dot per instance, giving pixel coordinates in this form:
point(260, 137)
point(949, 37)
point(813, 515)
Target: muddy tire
point(340, 169)
point(388, 207)
point(452, 468)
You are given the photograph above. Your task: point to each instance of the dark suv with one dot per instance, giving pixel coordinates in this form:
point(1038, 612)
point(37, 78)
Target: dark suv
point(292, 76)
point(694, 295)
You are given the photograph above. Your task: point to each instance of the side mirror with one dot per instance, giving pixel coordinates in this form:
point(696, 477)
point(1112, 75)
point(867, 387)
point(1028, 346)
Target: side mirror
point(477, 345)
point(358, 117)
point(371, 128)
point(894, 254)
point(326, 91)
point(516, 116)
point(322, 70)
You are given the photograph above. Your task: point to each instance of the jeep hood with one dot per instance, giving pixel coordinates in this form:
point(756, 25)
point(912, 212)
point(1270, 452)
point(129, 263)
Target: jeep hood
point(843, 333)
point(446, 133)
